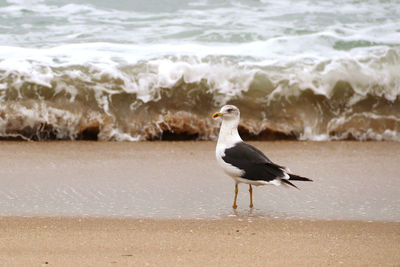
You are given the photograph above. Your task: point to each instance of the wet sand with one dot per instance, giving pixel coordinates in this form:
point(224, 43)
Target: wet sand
point(224, 242)
point(169, 180)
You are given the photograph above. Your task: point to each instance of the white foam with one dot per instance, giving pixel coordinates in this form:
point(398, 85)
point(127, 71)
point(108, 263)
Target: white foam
point(104, 49)
point(226, 75)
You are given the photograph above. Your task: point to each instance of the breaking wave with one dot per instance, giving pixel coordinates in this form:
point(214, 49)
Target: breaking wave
point(52, 96)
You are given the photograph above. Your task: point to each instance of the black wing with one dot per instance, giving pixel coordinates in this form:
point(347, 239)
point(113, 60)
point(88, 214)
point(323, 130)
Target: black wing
point(253, 162)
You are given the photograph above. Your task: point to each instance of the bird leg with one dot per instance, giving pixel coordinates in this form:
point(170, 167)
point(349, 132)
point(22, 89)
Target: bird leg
point(234, 206)
point(251, 196)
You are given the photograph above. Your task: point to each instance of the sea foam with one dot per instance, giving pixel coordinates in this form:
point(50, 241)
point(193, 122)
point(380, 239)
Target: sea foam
point(112, 71)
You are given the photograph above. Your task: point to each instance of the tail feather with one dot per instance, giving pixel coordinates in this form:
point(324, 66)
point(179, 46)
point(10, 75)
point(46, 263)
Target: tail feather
point(295, 177)
point(288, 183)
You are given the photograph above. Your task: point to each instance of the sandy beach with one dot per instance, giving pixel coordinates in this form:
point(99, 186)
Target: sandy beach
point(168, 203)
point(228, 242)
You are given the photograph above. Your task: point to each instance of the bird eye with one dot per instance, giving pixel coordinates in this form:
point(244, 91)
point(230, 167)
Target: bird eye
point(230, 109)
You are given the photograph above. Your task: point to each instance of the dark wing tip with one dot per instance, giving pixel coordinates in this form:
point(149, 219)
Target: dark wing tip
point(295, 177)
point(288, 183)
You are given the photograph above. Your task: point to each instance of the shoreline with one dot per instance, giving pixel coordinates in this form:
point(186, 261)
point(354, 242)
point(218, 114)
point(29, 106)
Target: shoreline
point(182, 180)
point(99, 184)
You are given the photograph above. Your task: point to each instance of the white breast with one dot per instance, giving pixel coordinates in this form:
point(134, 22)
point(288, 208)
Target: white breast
point(228, 168)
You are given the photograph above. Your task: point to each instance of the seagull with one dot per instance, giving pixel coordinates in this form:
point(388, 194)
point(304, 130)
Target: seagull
point(243, 162)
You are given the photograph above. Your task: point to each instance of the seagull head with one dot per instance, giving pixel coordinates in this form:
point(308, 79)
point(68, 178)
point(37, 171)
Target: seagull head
point(228, 112)
point(228, 133)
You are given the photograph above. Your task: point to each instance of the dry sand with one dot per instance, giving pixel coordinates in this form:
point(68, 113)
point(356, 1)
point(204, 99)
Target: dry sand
point(156, 183)
point(226, 242)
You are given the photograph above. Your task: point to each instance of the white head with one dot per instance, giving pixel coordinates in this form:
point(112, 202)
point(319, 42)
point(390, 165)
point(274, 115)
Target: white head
point(228, 112)
point(228, 134)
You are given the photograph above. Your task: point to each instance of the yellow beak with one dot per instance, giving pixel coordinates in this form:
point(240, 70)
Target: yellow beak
point(217, 114)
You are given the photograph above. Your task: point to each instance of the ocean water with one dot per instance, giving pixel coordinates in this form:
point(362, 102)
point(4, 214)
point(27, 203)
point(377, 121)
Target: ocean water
point(141, 70)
